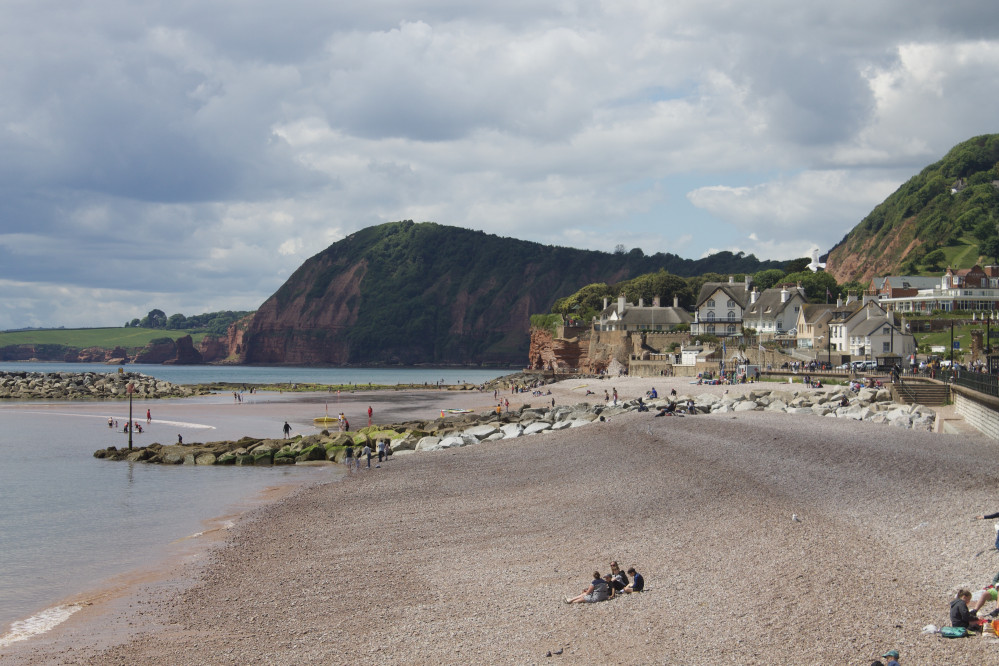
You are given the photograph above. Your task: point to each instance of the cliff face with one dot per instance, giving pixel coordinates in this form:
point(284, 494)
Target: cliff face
point(548, 351)
point(228, 348)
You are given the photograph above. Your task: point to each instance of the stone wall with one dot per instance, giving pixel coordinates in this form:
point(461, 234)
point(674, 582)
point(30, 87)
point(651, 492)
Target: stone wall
point(978, 411)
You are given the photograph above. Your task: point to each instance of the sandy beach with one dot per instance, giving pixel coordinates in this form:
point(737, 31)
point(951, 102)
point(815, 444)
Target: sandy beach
point(464, 555)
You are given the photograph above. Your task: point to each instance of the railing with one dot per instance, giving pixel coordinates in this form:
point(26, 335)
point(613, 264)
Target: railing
point(905, 390)
point(978, 381)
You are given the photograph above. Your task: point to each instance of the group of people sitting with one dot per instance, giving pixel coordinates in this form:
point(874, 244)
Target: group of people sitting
point(961, 615)
point(602, 588)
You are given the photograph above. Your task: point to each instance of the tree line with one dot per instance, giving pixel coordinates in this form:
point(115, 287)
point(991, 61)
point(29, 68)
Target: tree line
point(213, 323)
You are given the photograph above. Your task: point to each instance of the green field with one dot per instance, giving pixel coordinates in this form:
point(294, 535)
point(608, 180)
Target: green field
point(106, 338)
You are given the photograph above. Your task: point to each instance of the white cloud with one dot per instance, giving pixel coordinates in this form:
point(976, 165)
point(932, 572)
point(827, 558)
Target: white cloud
point(201, 154)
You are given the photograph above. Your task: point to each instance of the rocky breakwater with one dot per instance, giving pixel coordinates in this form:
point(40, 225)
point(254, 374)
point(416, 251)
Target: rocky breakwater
point(467, 429)
point(87, 385)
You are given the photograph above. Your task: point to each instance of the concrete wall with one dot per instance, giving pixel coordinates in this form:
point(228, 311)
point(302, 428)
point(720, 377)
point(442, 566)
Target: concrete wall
point(977, 410)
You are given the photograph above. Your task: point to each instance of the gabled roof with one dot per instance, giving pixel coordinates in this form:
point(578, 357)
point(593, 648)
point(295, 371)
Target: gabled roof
point(813, 312)
point(907, 282)
point(769, 303)
point(841, 313)
point(734, 290)
point(869, 326)
point(648, 315)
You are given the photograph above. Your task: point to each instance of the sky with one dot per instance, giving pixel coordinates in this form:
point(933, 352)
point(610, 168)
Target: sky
point(188, 156)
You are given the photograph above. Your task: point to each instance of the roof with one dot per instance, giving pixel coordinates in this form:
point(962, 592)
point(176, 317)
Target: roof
point(769, 302)
point(649, 315)
point(869, 326)
point(908, 282)
point(812, 312)
point(735, 290)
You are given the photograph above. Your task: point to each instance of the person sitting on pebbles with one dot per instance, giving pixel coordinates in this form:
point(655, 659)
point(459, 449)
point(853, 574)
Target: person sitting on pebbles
point(619, 580)
point(637, 582)
point(960, 616)
point(597, 591)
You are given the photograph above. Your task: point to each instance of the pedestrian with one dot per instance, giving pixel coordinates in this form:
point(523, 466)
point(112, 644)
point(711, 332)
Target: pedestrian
point(149, 416)
point(370, 412)
point(507, 400)
point(381, 450)
point(990, 517)
point(110, 422)
point(367, 453)
point(348, 457)
point(287, 430)
point(615, 397)
point(180, 439)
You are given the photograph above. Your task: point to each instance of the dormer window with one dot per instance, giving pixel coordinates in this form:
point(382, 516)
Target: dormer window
point(731, 303)
point(711, 303)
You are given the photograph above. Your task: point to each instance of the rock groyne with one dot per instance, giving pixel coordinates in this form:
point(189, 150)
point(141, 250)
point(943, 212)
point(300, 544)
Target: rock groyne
point(466, 429)
point(88, 386)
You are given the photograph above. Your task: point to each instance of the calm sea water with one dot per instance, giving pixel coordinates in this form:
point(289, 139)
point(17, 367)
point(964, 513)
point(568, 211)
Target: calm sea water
point(205, 374)
point(69, 521)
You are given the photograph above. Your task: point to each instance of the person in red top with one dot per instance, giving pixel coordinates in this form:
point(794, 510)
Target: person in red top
point(149, 416)
point(370, 412)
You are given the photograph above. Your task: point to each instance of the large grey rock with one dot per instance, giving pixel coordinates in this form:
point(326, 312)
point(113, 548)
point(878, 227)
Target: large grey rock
point(481, 431)
point(511, 430)
point(536, 427)
point(429, 443)
point(745, 406)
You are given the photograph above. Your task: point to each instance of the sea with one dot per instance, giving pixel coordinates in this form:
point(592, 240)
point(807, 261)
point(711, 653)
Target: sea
point(70, 523)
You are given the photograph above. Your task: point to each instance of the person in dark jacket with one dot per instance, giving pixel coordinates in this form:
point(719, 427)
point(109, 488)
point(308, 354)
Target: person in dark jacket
point(989, 517)
point(960, 616)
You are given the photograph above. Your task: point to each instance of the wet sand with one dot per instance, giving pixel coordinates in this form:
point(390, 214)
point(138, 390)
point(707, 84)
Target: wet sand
point(464, 555)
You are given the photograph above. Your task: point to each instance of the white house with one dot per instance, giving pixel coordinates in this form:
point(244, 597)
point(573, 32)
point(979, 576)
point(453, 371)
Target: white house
point(720, 308)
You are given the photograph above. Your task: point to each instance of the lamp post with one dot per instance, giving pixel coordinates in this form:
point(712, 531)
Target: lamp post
point(131, 388)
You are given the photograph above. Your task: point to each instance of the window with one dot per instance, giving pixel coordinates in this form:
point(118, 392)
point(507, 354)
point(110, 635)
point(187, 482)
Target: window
point(886, 346)
point(731, 329)
point(731, 303)
point(710, 303)
point(711, 315)
point(731, 316)
point(711, 328)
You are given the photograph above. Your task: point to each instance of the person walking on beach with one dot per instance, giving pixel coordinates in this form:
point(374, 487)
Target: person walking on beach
point(367, 453)
point(287, 430)
point(348, 458)
point(380, 446)
point(615, 397)
point(370, 412)
point(990, 517)
point(149, 416)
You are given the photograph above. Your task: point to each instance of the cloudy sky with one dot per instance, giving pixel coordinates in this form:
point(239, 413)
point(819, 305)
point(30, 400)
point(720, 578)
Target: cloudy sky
point(189, 155)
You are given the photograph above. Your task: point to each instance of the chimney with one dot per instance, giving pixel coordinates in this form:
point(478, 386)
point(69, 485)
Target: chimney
point(784, 293)
point(605, 302)
point(749, 281)
point(731, 279)
point(850, 297)
point(753, 295)
point(641, 302)
point(839, 300)
point(620, 305)
point(655, 301)
point(676, 301)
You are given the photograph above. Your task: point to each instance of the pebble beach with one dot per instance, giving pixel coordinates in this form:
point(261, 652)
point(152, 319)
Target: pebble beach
point(465, 555)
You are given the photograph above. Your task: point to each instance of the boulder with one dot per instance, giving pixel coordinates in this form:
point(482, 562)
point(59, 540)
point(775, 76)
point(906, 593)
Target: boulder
point(536, 427)
point(511, 430)
point(745, 406)
point(482, 431)
point(206, 459)
point(429, 444)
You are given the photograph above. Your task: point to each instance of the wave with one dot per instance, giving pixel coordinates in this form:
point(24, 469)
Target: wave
point(181, 424)
point(38, 624)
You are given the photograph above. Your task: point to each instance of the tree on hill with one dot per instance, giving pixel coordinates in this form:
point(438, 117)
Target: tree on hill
point(155, 319)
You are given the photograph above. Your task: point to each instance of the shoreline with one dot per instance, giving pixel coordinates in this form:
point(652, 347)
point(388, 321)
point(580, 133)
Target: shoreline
point(71, 617)
point(494, 460)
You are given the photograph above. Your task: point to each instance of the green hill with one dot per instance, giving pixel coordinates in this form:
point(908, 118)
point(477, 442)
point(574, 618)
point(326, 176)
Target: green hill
point(946, 215)
point(411, 293)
